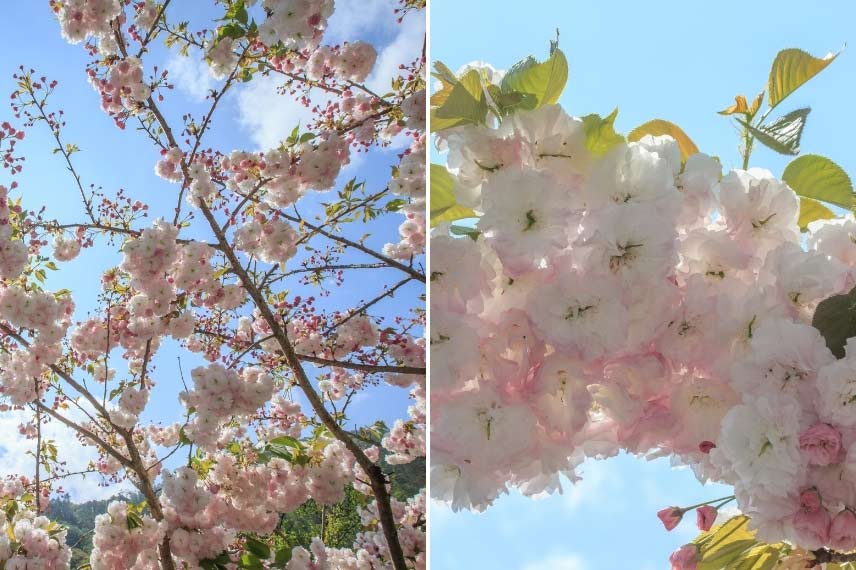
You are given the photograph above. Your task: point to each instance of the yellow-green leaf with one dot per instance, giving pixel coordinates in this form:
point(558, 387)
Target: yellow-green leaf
point(659, 127)
point(763, 557)
point(545, 80)
point(724, 543)
point(600, 133)
point(811, 210)
point(814, 176)
point(791, 68)
point(465, 103)
point(444, 208)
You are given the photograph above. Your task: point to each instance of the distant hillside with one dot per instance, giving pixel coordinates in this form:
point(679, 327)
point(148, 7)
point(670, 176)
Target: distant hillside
point(80, 520)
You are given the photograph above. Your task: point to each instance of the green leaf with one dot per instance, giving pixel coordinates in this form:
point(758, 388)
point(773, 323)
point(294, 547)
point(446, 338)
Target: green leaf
point(287, 441)
point(250, 561)
point(545, 80)
point(283, 555)
point(471, 233)
point(508, 102)
point(232, 30)
point(444, 208)
point(724, 544)
point(812, 210)
point(600, 133)
point(835, 318)
point(791, 68)
point(134, 521)
point(257, 547)
point(817, 177)
point(763, 557)
point(395, 205)
point(466, 103)
point(782, 135)
point(659, 127)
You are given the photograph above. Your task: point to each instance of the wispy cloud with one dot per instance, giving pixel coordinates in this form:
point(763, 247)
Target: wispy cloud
point(406, 46)
point(16, 455)
point(191, 74)
point(357, 19)
point(269, 117)
point(599, 480)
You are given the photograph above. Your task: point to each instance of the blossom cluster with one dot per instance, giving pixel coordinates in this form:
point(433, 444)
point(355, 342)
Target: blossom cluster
point(13, 252)
point(409, 182)
point(29, 540)
point(80, 19)
point(219, 394)
point(120, 544)
point(297, 24)
point(270, 240)
point(122, 87)
point(348, 62)
point(204, 516)
point(631, 300)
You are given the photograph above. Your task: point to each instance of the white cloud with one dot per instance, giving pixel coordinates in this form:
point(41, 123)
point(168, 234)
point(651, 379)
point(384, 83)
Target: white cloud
point(353, 19)
point(557, 562)
point(406, 47)
point(269, 117)
point(16, 456)
point(598, 481)
point(191, 74)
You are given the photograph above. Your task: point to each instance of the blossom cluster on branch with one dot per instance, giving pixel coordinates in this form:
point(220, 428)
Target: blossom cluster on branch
point(241, 281)
point(630, 296)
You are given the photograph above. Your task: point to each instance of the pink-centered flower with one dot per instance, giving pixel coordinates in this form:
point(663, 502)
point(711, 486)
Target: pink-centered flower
point(821, 444)
point(842, 531)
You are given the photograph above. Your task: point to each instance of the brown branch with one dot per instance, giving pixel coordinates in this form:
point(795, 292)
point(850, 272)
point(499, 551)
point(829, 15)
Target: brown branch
point(366, 306)
point(85, 433)
point(825, 556)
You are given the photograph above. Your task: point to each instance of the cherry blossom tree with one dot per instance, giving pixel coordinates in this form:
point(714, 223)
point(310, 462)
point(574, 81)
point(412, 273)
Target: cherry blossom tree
point(267, 405)
point(623, 293)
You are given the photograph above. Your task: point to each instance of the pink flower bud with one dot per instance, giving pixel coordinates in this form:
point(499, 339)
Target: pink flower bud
point(685, 558)
point(809, 500)
point(705, 515)
point(812, 526)
point(842, 531)
point(821, 443)
point(671, 516)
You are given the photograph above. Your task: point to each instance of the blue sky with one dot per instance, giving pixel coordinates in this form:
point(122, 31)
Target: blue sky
point(115, 159)
point(680, 61)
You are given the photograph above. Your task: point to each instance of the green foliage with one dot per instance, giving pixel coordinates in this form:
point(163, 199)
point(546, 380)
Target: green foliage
point(79, 520)
point(467, 100)
point(791, 69)
point(444, 207)
point(600, 133)
point(818, 181)
point(820, 178)
point(544, 81)
point(835, 318)
point(465, 103)
point(782, 135)
point(732, 546)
